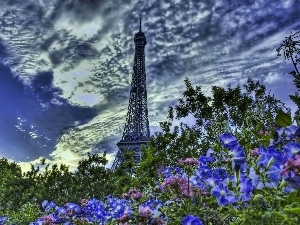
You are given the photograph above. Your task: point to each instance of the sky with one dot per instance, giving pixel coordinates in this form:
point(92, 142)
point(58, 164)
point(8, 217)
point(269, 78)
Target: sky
point(66, 66)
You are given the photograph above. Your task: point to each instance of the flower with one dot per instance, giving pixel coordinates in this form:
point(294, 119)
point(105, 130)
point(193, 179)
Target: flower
point(291, 165)
point(191, 220)
point(237, 151)
point(246, 189)
point(224, 196)
point(48, 205)
point(189, 162)
point(207, 158)
point(84, 202)
point(228, 140)
point(72, 208)
point(47, 220)
point(3, 219)
point(294, 182)
point(182, 182)
point(145, 211)
point(260, 132)
point(135, 194)
point(254, 152)
point(292, 131)
point(291, 149)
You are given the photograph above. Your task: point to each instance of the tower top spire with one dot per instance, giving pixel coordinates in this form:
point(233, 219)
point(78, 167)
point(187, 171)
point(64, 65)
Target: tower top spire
point(140, 24)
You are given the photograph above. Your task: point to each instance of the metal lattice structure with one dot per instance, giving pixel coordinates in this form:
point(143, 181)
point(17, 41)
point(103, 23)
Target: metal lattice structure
point(136, 132)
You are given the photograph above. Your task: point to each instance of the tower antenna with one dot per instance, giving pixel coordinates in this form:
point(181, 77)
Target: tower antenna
point(140, 24)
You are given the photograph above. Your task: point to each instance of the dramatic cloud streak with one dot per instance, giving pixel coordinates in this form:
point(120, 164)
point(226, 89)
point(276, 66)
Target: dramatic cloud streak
point(66, 66)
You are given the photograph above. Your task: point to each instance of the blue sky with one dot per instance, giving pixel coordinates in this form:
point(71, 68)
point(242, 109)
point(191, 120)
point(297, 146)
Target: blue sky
point(65, 66)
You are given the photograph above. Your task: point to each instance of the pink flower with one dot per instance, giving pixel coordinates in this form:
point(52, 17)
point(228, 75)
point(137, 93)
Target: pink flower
point(134, 193)
point(189, 162)
point(296, 162)
point(145, 211)
point(125, 195)
point(182, 182)
point(47, 220)
point(137, 195)
point(291, 165)
point(84, 202)
point(254, 152)
point(260, 132)
point(124, 218)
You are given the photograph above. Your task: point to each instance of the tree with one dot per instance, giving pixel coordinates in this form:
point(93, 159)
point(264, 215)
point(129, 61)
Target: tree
point(291, 50)
point(243, 114)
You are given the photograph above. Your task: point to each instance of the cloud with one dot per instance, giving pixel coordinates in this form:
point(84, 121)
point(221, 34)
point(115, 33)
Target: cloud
point(83, 51)
point(33, 117)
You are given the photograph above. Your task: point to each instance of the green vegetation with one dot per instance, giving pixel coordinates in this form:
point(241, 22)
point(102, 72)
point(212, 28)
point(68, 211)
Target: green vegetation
point(241, 112)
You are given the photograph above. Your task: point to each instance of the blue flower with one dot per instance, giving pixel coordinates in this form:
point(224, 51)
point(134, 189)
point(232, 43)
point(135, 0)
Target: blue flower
point(44, 203)
point(197, 182)
point(239, 164)
point(256, 179)
point(212, 181)
point(291, 149)
point(224, 196)
point(3, 219)
point(274, 175)
point(246, 189)
point(293, 182)
point(292, 131)
point(61, 211)
point(220, 173)
point(191, 220)
point(73, 207)
point(48, 205)
point(237, 151)
point(203, 172)
point(264, 157)
point(167, 172)
point(228, 140)
point(207, 158)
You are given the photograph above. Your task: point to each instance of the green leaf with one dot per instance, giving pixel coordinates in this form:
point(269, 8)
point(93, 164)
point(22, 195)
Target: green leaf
point(292, 210)
point(283, 119)
point(295, 99)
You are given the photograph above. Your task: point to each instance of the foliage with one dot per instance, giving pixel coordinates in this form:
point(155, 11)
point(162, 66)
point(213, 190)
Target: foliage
point(242, 114)
point(291, 50)
point(160, 189)
point(24, 215)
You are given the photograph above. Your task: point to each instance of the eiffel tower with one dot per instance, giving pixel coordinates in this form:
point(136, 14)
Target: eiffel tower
point(136, 132)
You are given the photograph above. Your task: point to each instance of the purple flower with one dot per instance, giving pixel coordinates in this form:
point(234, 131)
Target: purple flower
point(191, 220)
point(228, 140)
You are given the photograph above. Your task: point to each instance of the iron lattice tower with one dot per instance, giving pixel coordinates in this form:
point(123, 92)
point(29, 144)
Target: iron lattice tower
point(136, 132)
